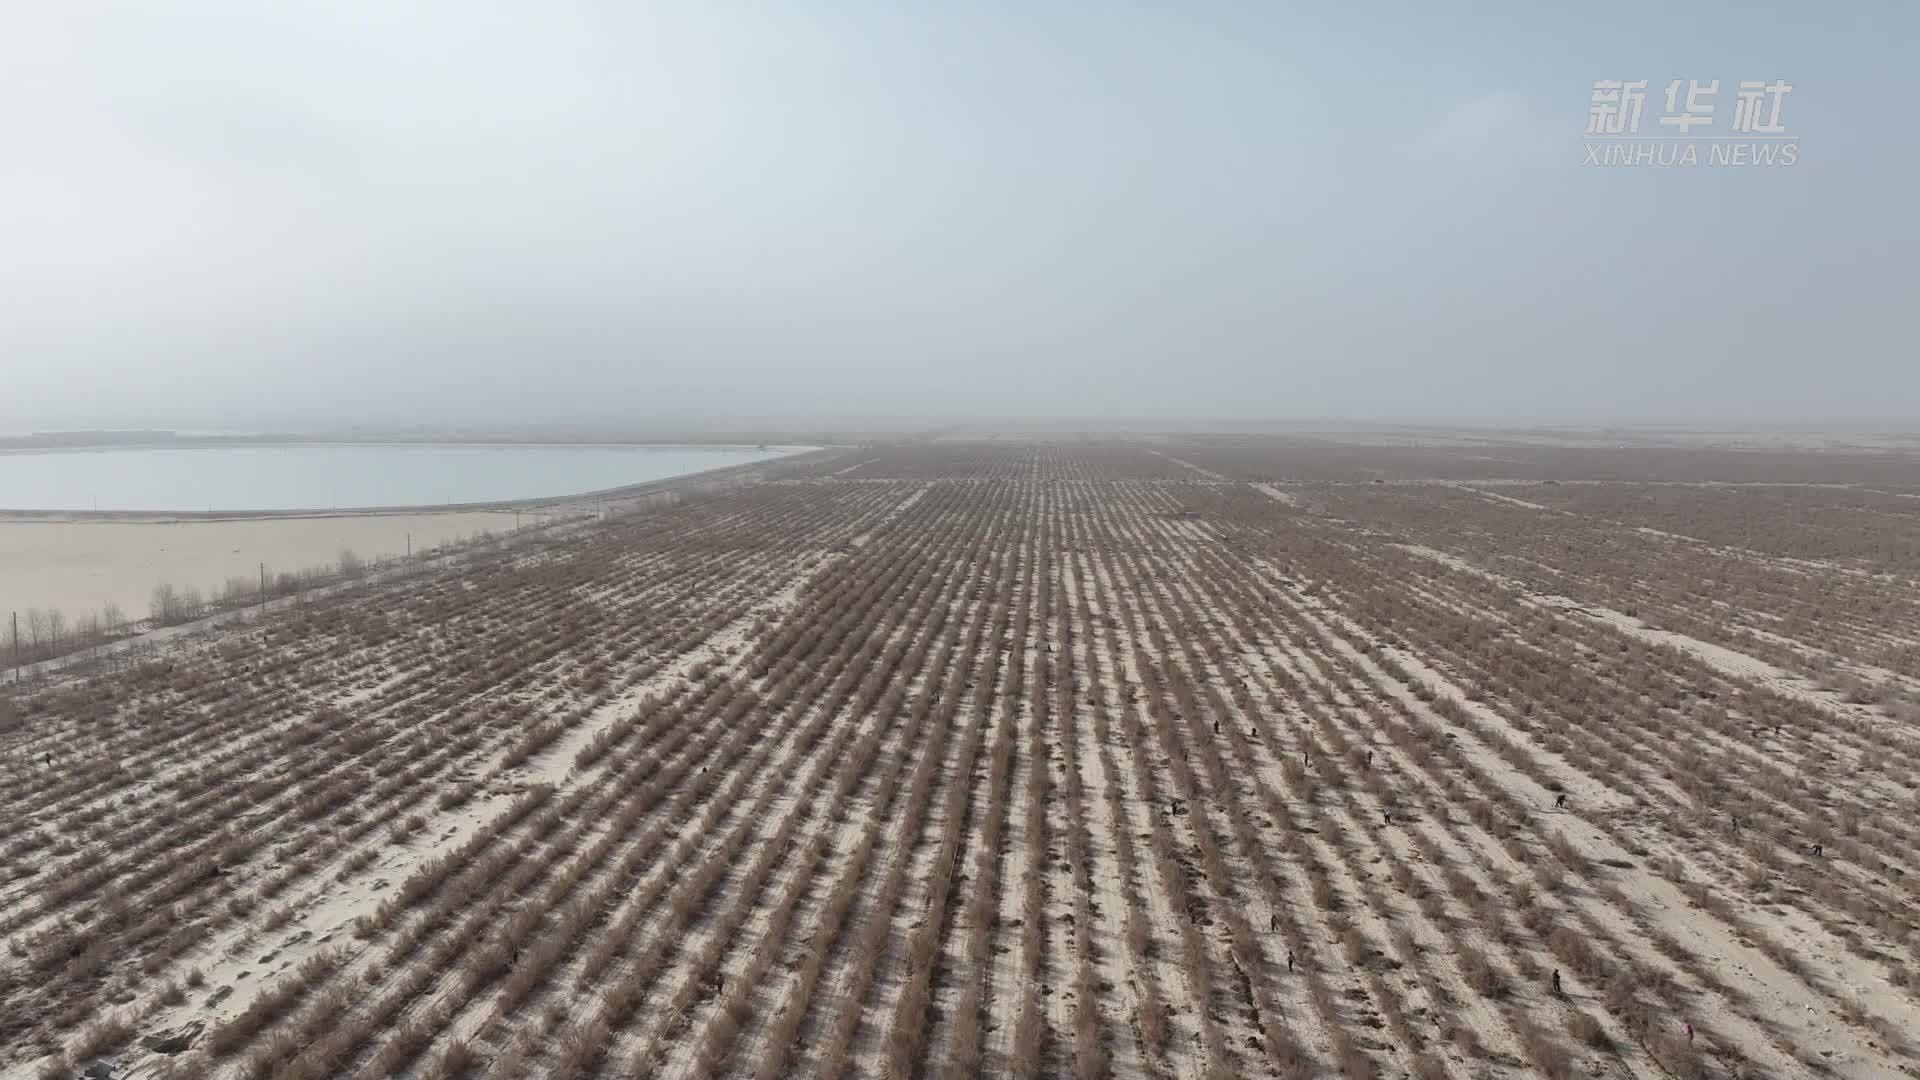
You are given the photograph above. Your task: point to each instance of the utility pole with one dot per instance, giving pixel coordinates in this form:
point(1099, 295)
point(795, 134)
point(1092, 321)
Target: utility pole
point(16, 648)
point(409, 545)
point(263, 586)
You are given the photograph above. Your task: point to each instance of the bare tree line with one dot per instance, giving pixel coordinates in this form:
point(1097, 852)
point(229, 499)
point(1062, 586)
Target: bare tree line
point(38, 634)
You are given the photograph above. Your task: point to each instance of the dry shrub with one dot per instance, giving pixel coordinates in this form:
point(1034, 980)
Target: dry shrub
point(103, 1036)
point(1153, 1023)
point(1587, 1030)
point(457, 1058)
point(1403, 878)
point(1027, 1036)
point(271, 1004)
point(512, 1061)
point(1089, 1053)
point(1548, 1056)
point(1550, 875)
point(1480, 972)
point(1569, 856)
point(1685, 1063)
point(581, 1045)
point(1354, 945)
point(1625, 1004)
point(965, 1054)
point(1466, 1042)
point(1355, 1064)
point(1138, 936)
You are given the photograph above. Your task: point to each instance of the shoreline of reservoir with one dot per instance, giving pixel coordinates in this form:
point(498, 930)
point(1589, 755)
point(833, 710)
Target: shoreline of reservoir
point(760, 455)
point(81, 563)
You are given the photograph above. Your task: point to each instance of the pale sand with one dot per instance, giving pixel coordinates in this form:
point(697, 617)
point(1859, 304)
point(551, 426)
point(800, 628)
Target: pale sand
point(78, 567)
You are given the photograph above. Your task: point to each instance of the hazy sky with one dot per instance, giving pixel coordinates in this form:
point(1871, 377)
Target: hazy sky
point(273, 213)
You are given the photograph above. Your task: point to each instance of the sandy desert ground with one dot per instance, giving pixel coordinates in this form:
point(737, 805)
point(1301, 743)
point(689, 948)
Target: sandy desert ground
point(81, 566)
point(1225, 758)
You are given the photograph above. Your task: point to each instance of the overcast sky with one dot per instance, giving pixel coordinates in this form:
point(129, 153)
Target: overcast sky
point(245, 214)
